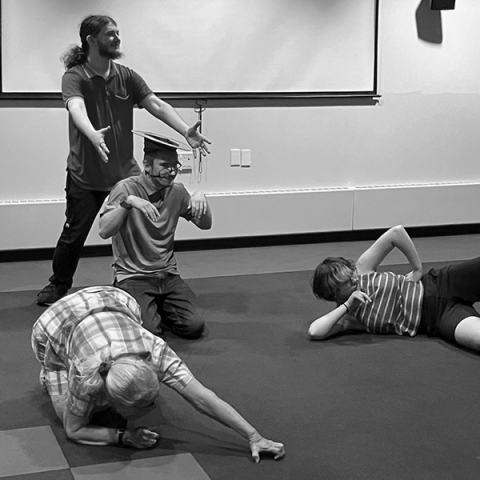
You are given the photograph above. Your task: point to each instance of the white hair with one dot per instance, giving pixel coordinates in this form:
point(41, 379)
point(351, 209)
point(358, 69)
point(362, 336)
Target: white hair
point(127, 379)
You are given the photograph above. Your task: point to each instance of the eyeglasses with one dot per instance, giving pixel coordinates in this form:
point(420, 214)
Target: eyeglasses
point(171, 168)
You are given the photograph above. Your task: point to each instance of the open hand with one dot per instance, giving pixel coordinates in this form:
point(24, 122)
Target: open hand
point(99, 141)
point(196, 140)
point(262, 445)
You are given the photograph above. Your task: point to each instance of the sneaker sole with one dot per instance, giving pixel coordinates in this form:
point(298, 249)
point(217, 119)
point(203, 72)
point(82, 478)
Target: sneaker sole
point(44, 304)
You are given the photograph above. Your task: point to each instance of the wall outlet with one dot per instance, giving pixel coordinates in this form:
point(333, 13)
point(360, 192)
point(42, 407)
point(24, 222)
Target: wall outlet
point(246, 157)
point(235, 157)
point(186, 159)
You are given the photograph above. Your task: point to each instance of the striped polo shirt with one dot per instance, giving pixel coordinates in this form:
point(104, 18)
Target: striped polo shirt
point(396, 304)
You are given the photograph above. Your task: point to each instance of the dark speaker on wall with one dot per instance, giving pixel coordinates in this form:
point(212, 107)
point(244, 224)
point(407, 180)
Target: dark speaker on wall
point(442, 5)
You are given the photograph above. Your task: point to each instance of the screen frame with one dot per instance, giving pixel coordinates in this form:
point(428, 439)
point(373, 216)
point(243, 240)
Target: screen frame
point(221, 99)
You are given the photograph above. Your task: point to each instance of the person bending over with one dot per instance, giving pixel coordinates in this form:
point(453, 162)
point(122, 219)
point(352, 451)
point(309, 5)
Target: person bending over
point(100, 95)
point(141, 216)
point(100, 366)
point(438, 303)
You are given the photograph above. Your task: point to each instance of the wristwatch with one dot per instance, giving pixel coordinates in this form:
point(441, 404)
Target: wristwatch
point(120, 434)
point(125, 204)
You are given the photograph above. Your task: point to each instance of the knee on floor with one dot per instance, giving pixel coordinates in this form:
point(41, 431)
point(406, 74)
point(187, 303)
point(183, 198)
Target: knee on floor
point(195, 330)
point(467, 333)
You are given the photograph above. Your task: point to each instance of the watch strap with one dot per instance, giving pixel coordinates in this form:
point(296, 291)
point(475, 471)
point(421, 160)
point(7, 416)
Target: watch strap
point(125, 204)
point(120, 434)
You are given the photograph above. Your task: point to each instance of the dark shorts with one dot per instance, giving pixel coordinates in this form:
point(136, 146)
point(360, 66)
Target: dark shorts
point(449, 295)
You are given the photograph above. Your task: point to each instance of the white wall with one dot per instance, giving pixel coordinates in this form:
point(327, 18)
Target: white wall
point(424, 132)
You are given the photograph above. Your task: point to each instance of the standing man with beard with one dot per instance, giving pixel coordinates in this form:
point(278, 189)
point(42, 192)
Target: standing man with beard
point(141, 216)
point(100, 95)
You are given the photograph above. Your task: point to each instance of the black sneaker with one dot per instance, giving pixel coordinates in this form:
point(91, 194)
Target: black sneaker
point(50, 294)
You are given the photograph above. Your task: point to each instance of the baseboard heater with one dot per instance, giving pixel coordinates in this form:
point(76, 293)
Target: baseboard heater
point(36, 224)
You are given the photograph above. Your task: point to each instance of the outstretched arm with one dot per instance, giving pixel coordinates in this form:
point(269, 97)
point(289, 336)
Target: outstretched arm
point(78, 112)
point(395, 237)
point(208, 403)
point(167, 114)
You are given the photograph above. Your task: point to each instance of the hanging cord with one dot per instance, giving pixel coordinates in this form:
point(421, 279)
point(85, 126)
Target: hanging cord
point(201, 107)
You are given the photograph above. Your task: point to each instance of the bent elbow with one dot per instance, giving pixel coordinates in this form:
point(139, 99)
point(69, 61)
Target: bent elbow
point(104, 231)
point(72, 435)
point(104, 235)
point(315, 335)
point(204, 224)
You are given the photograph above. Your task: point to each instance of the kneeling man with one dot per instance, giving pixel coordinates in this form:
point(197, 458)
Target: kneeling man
point(141, 216)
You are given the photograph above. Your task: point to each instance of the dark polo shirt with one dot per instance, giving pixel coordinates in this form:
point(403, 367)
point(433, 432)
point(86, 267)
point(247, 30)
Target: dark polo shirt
point(108, 102)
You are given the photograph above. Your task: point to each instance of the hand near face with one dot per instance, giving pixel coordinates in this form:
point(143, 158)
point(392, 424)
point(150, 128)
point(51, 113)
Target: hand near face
point(357, 298)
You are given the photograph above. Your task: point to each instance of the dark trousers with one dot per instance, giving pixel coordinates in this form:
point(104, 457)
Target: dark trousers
point(450, 293)
point(82, 208)
point(167, 303)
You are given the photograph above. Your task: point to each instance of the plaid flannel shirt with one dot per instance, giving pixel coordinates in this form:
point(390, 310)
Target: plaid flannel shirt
point(92, 320)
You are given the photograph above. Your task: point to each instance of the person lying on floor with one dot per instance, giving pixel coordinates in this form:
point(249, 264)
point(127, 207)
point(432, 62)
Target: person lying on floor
point(438, 303)
point(100, 366)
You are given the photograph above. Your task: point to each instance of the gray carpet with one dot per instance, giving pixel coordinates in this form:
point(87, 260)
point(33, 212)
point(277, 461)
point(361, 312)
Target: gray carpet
point(354, 407)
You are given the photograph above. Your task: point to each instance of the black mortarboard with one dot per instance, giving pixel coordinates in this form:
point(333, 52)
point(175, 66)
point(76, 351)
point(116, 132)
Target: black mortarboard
point(157, 143)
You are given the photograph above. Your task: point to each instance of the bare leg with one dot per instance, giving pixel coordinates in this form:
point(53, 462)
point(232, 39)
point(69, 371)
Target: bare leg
point(58, 402)
point(467, 333)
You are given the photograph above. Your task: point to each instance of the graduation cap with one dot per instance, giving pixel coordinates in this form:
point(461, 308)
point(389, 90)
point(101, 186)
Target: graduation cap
point(157, 143)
